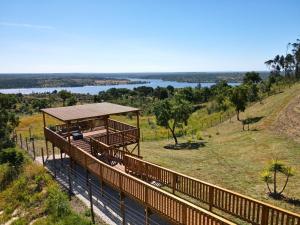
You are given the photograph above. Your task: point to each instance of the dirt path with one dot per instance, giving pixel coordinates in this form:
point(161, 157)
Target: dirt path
point(288, 121)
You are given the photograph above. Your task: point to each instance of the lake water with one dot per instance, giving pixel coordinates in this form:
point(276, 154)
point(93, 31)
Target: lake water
point(95, 89)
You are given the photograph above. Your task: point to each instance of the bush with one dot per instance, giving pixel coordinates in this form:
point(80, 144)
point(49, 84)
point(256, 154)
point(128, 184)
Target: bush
point(11, 156)
point(199, 136)
point(57, 203)
point(7, 175)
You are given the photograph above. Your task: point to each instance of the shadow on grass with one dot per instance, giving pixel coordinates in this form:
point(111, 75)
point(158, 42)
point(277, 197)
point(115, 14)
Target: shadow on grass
point(252, 120)
point(292, 201)
point(185, 145)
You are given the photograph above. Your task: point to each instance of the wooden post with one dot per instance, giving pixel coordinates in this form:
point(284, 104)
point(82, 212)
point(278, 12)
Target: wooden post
point(33, 149)
point(174, 183)
point(30, 132)
point(89, 183)
point(122, 207)
point(43, 159)
point(21, 141)
point(107, 131)
point(138, 127)
point(265, 215)
point(211, 197)
point(54, 164)
point(26, 142)
point(46, 142)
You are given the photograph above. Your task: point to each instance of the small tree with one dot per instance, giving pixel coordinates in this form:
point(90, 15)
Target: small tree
point(64, 95)
point(251, 77)
point(270, 175)
point(172, 113)
point(238, 98)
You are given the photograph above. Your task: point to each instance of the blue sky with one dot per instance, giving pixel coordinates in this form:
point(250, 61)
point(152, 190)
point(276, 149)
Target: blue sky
point(144, 36)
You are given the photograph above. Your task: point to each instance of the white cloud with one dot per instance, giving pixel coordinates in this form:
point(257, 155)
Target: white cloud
point(26, 25)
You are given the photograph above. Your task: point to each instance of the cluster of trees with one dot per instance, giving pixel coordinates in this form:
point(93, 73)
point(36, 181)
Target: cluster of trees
point(8, 119)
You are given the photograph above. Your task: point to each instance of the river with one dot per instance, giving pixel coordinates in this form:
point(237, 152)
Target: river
point(95, 89)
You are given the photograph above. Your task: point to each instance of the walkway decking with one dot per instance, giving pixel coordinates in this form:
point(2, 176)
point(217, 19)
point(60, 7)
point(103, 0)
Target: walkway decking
point(106, 203)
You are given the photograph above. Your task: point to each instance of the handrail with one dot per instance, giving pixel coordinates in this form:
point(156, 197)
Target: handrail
point(119, 126)
point(119, 137)
point(175, 209)
point(111, 151)
point(241, 206)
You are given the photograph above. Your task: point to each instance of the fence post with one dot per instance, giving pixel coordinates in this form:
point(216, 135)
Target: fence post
point(69, 180)
point(91, 199)
point(147, 215)
point(26, 142)
point(211, 198)
point(21, 141)
point(33, 148)
point(122, 207)
point(43, 159)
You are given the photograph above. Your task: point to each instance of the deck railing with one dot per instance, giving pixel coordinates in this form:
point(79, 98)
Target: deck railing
point(119, 126)
point(175, 209)
point(110, 152)
point(120, 137)
point(240, 206)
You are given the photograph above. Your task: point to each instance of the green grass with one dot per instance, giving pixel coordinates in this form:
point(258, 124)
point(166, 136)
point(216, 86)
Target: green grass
point(234, 158)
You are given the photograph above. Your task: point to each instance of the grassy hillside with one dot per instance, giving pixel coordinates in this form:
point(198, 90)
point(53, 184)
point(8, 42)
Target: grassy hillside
point(230, 158)
point(30, 196)
point(233, 158)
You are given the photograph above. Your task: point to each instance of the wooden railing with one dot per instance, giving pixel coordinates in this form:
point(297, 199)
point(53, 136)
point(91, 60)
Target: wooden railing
point(118, 126)
point(240, 206)
point(120, 137)
point(110, 152)
point(173, 208)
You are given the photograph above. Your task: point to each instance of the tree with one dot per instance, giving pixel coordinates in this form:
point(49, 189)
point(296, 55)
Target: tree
point(172, 114)
point(270, 175)
point(72, 100)
point(251, 77)
point(238, 98)
point(8, 119)
point(161, 93)
point(64, 95)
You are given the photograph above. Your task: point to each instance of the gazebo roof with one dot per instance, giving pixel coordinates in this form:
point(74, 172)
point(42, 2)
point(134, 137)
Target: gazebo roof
point(81, 112)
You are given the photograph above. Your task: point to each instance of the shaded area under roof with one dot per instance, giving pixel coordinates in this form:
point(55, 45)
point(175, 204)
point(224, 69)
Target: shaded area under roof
point(80, 112)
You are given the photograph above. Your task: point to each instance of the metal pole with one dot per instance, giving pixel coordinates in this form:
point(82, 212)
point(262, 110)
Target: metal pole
point(91, 200)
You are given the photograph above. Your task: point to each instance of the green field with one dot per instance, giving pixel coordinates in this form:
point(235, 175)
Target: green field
point(230, 158)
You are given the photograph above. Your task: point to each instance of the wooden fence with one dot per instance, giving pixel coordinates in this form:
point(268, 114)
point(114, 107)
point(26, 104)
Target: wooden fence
point(120, 137)
point(173, 208)
point(240, 206)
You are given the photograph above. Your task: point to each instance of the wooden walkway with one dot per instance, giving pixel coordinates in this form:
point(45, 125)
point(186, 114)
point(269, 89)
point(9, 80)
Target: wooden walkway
point(174, 209)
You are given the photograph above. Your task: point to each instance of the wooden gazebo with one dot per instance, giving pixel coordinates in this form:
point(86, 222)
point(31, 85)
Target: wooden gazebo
point(90, 128)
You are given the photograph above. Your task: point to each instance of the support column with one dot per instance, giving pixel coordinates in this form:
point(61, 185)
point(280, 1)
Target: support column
point(107, 130)
point(53, 159)
point(46, 142)
point(138, 127)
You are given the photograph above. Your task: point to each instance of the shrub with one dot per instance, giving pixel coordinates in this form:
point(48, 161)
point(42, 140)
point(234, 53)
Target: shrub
point(199, 136)
point(11, 156)
point(7, 175)
point(57, 203)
